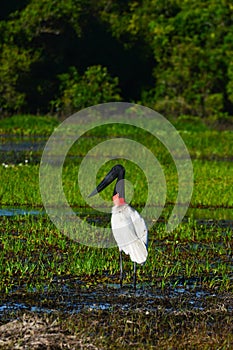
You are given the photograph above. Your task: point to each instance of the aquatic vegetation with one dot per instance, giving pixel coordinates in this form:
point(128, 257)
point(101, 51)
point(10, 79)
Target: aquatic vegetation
point(171, 256)
point(19, 185)
point(212, 184)
point(34, 252)
point(184, 296)
point(211, 152)
point(59, 287)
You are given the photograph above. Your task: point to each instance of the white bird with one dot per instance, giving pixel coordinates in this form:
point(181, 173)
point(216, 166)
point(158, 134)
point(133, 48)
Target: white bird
point(128, 227)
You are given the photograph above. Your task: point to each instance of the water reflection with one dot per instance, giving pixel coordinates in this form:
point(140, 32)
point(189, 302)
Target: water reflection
point(19, 211)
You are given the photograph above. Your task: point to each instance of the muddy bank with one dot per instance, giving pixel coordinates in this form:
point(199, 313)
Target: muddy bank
point(171, 323)
point(112, 298)
point(85, 316)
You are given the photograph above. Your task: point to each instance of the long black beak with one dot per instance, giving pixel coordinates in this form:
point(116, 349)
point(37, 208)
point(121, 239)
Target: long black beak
point(117, 172)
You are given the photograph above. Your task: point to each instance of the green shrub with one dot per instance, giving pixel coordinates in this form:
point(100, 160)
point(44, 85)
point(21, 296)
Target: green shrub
point(93, 87)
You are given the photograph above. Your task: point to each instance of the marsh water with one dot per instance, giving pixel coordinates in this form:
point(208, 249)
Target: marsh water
point(75, 296)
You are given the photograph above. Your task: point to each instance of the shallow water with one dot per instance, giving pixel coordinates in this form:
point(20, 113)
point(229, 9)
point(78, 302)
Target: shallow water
point(77, 297)
point(22, 145)
point(19, 211)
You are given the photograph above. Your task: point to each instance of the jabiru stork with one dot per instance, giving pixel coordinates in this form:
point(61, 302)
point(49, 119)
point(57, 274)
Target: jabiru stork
point(128, 227)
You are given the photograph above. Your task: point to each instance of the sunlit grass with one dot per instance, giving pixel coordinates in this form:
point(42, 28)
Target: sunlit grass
point(20, 185)
point(212, 185)
point(34, 252)
point(24, 125)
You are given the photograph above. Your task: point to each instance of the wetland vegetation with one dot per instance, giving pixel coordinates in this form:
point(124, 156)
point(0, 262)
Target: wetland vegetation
point(57, 293)
point(58, 57)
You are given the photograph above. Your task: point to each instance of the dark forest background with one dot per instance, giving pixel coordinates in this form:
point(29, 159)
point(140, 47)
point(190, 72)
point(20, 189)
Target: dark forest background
point(59, 56)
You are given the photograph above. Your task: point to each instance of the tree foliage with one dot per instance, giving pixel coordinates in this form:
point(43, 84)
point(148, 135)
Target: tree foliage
point(174, 56)
point(192, 43)
point(93, 87)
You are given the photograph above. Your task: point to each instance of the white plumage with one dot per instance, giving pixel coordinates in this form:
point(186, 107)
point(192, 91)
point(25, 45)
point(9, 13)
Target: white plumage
point(130, 232)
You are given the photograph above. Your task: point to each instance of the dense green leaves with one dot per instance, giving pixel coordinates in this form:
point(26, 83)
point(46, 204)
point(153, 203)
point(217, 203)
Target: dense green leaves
point(94, 87)
point(190, 40)
point(187, 46)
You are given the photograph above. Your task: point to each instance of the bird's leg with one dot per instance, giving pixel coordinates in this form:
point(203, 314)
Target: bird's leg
point(121, 270)
point(134, 275)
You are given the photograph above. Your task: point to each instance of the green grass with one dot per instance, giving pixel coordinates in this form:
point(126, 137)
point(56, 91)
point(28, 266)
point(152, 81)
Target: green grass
point(24, 125)
point(34, 251)
point(211, 152)
point(212, 184)
point(40, 266)
point(20, 185)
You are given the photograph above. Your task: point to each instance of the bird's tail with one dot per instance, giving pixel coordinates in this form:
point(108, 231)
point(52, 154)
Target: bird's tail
point(137, 251)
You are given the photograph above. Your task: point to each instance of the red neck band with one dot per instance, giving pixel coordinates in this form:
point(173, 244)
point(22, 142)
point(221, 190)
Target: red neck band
point(117, 200)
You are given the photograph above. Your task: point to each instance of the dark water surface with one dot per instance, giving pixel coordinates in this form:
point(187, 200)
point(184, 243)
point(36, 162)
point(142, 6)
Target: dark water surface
point(76, 296)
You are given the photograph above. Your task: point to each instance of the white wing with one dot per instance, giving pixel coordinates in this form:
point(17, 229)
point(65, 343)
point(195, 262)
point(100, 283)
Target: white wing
point(130, 232)
point(140, 226)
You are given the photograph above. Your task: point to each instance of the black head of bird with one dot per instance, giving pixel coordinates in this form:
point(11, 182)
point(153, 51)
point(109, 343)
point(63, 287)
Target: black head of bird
point(117, 172)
